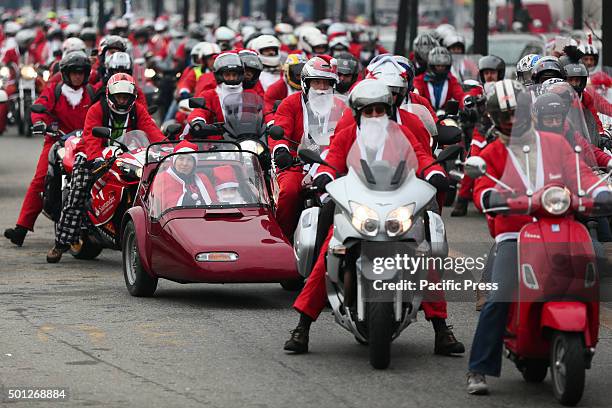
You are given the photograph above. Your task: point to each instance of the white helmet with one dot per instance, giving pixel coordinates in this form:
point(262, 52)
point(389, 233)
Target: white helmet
point(283, 28)
point(225, 38)
point(453, 39)
point(72, 30)
point(11, 28)
point(444, 30)
point(524, 66)
point(312, 40)
point(203, 49)
point(73, 44)
point(391, 73)
point(337, 29)
point(339, 42)
point(267, 41)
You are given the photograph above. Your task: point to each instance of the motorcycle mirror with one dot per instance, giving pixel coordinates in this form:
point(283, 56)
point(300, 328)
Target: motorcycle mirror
point(448, 135)
point(450, 153)
point(203, 130)
point(152, 109)
point(309, 156)
point(452, 107)
point(172, 130)
point(38, 108)
point(276, 133)
point(101, 132)
point(475, 167)
point(197, 103)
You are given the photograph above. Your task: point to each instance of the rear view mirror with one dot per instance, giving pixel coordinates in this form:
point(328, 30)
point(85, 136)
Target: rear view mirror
point(38, 108)
point(450, 153)
point(172, 131)
point(448, 135)
point(475, 167)
point(197, 103)
point(276, 133)
point(310, 157)
point(101, 132)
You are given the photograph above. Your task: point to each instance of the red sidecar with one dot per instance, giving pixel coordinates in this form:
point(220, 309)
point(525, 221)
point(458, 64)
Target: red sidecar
point(197, 231)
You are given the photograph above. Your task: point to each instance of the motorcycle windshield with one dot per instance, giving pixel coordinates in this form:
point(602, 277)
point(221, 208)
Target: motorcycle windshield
point(243, 114)
point(321, 115)
point(425, 115)
point(548, 147)
point(207, 180)
point(382, 158)
point(135, 140)
point(465, 67)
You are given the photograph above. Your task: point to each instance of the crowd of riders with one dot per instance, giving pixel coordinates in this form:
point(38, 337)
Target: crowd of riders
point(97, 79)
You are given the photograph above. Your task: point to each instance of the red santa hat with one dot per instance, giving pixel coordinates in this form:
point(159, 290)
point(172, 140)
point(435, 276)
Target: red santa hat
point(185, 146)
point(225, 177)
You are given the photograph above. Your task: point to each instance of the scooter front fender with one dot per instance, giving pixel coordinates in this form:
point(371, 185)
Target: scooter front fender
point(565, 316)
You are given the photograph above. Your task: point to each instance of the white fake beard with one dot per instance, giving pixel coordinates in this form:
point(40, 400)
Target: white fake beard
point(230, 197)
point(373, 132)
point(74, 96)
point(320, 102)
point(230, 89)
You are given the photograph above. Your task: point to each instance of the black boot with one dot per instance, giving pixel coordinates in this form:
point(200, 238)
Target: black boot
point(16, 235)
point(446, 343)
point(298, 342)
point(461, 207)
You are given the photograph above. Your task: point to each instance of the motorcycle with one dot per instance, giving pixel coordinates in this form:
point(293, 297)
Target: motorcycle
point(26, 95)
point(373, 220)
point(554, 314)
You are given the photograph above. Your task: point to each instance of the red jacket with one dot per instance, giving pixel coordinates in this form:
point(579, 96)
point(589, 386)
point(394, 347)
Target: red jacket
point(188, 81)
point(276, 92)
point(170, 190)
point(452, 87)
point(407, 119)
point(587, 103)
point(600, 103)
point(69, 118)
point(212, 103)
point(290, 117)
point(93, 146)
point(342, 141)
point(557, 163)
point(205, 82)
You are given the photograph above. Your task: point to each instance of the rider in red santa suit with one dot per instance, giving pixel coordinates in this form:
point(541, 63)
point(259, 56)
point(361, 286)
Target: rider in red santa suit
point(319, 77)
point(69, 111)
point(371, 103)
point(181, 185)
point(287, 85)
point(438, 84)
point(229, 73)
point(9, 57)
point(119, 112)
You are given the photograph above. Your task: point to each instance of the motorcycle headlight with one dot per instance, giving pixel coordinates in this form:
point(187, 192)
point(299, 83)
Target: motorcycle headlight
point(28, 72)
point(61, 152)
point(252, 146)
point(149, 73)
point(46, 74)
point(129, 170)
point(399, 220)
point(556, 200)
point(364, 219)
point(5, 72)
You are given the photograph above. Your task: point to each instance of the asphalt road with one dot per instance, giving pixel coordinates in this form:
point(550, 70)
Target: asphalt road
point(73, 325)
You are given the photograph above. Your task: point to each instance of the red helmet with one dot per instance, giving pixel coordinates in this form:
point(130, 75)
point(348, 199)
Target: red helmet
point(121, 84)
point(319, 67)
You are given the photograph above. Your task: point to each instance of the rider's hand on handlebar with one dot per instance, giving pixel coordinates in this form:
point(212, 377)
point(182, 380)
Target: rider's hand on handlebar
point(184, 95)
point(493, 199)
point(602, 203)
point(321, 181)
point(283, 159)
point(97, 165)
point(39, 128)
point(439, 181)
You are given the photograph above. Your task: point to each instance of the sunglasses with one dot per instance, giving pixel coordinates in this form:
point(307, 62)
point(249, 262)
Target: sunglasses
point(369, 110)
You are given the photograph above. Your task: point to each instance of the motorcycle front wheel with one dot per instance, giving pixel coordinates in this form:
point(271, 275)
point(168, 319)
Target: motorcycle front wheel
point(567, 367)
point(138, 282)
point(380, 333)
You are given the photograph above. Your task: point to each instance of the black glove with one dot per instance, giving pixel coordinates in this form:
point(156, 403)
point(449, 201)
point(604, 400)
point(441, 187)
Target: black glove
point(603, 203)
point(605, 142)
point(321, 181)
point(493, 199)
point(439, 181)
point(39, 128)
point(283, 159)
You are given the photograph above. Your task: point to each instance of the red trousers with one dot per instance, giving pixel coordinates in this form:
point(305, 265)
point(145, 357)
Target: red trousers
point(313, 297)
point(465, 191)
point(32, 202)
point(289, 203)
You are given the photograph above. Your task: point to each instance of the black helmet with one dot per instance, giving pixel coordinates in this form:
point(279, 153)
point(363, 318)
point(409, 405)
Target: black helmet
point(347, 65)
point(549, 104)
point(75, 61)
point(493, 63)
point(577, 70)
point(546, 68)
point(250, 60)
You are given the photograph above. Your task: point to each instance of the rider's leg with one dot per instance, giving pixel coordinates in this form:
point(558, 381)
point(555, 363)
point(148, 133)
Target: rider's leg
point(289, 201)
